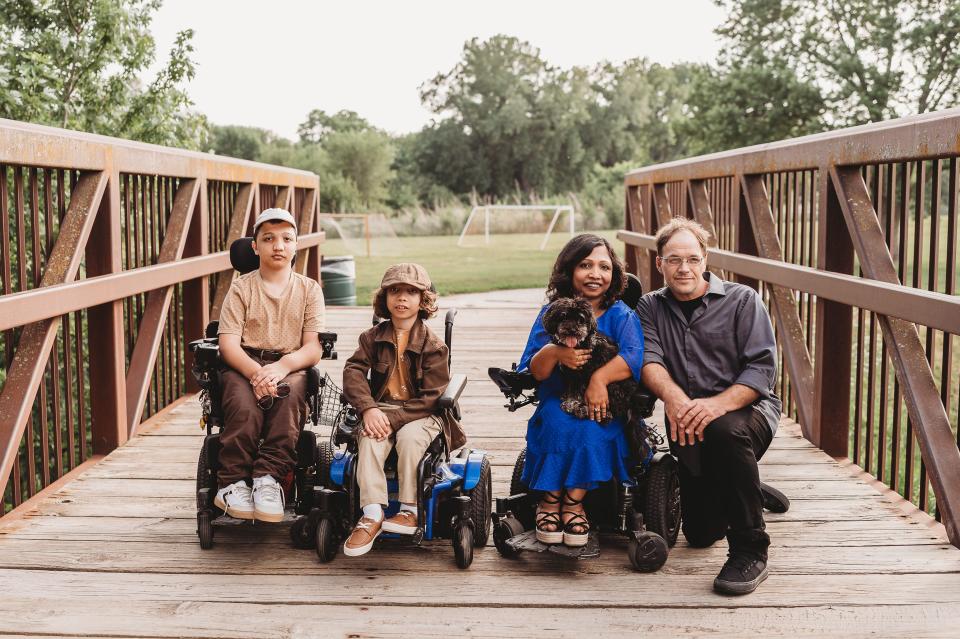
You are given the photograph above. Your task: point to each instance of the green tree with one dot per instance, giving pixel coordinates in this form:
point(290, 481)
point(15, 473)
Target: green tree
point(319, 125)
point(364, 157)
point(872, 59)
point(77, 64)
point(244, 142)
point(748, 103)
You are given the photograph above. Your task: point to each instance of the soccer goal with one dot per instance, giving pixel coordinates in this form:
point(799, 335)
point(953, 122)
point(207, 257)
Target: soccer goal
point(487, 209)
point(369, 234)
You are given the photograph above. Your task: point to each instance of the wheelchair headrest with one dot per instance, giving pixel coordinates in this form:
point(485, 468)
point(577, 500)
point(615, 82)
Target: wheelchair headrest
point(633, 292)
point(242, 257)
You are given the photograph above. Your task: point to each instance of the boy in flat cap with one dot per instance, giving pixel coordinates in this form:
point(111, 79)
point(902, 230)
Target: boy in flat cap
point(268, 338)
point(409, 370)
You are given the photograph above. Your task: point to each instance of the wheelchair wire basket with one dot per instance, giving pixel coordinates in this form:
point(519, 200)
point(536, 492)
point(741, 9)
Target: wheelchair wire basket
point(330, 402)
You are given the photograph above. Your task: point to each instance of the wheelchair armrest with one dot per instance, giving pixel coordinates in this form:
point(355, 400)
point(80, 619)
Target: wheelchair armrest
point(643, 402)
point(313, 380)
point(454, 389)
point(511, 383)
point(327, 341)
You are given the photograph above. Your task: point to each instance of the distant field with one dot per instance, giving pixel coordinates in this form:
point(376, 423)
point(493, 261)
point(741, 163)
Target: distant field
point(509, 261)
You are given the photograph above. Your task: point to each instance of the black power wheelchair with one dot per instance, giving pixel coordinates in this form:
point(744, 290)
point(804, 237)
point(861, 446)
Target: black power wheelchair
point(453, 498)
point(206, 369)
point(645, 509)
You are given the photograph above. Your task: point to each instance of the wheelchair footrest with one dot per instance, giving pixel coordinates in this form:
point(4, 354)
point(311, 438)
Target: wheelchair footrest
point(289, 516)
point(528, 541)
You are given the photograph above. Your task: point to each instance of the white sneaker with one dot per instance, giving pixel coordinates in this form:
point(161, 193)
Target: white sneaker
point(268, 499)
point(235, 500)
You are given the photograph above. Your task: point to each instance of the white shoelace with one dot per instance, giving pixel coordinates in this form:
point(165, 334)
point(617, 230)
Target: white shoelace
point(271, 494)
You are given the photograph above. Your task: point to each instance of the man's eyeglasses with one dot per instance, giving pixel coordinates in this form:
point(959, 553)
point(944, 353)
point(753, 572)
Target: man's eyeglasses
point(266, 402)
point(675, 261)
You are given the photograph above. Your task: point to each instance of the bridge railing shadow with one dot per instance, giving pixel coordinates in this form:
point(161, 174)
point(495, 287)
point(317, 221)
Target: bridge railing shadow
point(851, 237)
point(114, 257)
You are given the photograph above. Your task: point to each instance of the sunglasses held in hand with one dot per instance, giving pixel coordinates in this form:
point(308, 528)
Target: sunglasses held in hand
point(266, 402)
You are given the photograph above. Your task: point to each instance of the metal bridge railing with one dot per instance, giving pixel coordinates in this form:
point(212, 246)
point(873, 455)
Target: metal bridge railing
point(851, 236)
point(113, 259)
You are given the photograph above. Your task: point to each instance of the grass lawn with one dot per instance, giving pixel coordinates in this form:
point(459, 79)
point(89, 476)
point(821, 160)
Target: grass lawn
point(509, 261)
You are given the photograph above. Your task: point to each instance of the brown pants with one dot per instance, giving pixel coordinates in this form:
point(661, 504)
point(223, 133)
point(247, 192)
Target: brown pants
point(255, 442)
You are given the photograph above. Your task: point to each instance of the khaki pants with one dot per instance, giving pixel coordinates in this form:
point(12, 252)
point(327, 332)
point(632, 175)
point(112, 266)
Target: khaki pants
point(411, 441)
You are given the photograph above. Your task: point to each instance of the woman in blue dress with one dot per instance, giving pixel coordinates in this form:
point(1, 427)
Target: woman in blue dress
point(567, 456)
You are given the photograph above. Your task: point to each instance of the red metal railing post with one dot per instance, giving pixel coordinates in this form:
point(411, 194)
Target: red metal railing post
point(834, 330)
point(196, 292)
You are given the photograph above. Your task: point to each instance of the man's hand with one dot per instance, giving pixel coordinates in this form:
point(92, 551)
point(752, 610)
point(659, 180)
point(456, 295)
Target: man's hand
point(573, 358)
point(694, 416)
point(597, 398)
point(272, 373)
point(376, 425)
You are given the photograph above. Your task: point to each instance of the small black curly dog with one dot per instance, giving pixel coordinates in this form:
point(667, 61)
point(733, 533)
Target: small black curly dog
point(570, 322)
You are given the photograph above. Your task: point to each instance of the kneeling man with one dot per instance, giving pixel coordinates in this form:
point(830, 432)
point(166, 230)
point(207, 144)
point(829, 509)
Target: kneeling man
point(711, 356)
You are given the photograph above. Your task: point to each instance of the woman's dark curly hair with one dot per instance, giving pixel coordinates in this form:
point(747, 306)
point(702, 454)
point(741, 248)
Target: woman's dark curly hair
point(561, 280)
point(428, 304)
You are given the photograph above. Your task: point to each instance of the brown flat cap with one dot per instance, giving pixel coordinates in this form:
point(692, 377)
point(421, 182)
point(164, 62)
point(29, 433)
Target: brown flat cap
point(406, 273)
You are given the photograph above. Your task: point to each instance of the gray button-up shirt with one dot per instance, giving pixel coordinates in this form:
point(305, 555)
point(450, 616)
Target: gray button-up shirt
point(728, 340)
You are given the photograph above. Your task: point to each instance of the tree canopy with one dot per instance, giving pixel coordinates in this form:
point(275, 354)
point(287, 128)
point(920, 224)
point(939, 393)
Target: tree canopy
point(79, 64)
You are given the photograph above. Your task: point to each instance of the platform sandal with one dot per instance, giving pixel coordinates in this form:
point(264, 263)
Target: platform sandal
point(547, 520)
point(577, 530)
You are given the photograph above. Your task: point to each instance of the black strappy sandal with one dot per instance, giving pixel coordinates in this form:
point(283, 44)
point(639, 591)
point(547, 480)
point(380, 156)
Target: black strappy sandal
point(577, 530)
point(547, 520)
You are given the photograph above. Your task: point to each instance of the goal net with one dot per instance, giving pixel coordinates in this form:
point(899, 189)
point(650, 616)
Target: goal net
point(356, 234)
point(515, 219)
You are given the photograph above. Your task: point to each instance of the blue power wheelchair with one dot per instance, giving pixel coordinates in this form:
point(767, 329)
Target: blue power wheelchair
point(645, 509)
point(454, 494)
point(206, 369)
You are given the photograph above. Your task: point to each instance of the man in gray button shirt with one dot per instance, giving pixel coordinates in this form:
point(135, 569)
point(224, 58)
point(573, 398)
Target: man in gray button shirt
point(711, 356)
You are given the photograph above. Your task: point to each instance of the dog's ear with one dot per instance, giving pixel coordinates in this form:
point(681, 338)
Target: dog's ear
point(552, 317)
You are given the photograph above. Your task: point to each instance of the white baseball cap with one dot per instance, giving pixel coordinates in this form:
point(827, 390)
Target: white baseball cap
point(274, 215)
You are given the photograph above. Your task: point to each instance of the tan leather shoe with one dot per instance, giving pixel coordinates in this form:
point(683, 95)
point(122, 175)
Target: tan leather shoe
point(361, 539)
point(404, 523)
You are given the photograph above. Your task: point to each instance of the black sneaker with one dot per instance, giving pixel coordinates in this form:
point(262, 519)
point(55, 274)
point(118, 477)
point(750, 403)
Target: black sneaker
point(774, 500)
point(740, 575)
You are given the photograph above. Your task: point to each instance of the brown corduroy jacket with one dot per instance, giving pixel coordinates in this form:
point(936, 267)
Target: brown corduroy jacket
point(429, 374)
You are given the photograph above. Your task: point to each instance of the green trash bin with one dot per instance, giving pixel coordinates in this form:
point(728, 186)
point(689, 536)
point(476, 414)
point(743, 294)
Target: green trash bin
point(338, 276)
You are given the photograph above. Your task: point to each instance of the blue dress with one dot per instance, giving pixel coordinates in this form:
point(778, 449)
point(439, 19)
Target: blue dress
point(562, 450)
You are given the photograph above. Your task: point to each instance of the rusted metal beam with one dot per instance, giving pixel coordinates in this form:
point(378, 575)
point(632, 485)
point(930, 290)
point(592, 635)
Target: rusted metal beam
point(925, 136)
point(284, 198)
point(782, 301)
point(37, 304)
point(661, 205)
point(41, 146)
point(196, 292)
point(834, 332)
point(239, 219)
point(305, 219)
point(920, 393)
point(106, 354)
point(158, 302)
point(936, 310)
point(640, 263)
point(37, 339)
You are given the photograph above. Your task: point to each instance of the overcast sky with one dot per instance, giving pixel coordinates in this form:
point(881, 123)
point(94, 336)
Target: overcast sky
point(267, 64)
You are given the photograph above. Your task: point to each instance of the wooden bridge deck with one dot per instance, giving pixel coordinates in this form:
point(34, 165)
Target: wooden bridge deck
point(114, 553)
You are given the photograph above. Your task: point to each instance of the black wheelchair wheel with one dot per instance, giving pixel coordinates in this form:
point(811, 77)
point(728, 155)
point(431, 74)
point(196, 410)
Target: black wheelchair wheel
point(301, 535)
point(649, 552)
point(205, 529)
point(661, 510)
point(463, 545)
point(480, 505)
point(324, 462)
point(527, 511)
point(206, 478)
point(506, 528)
point(326, 542)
